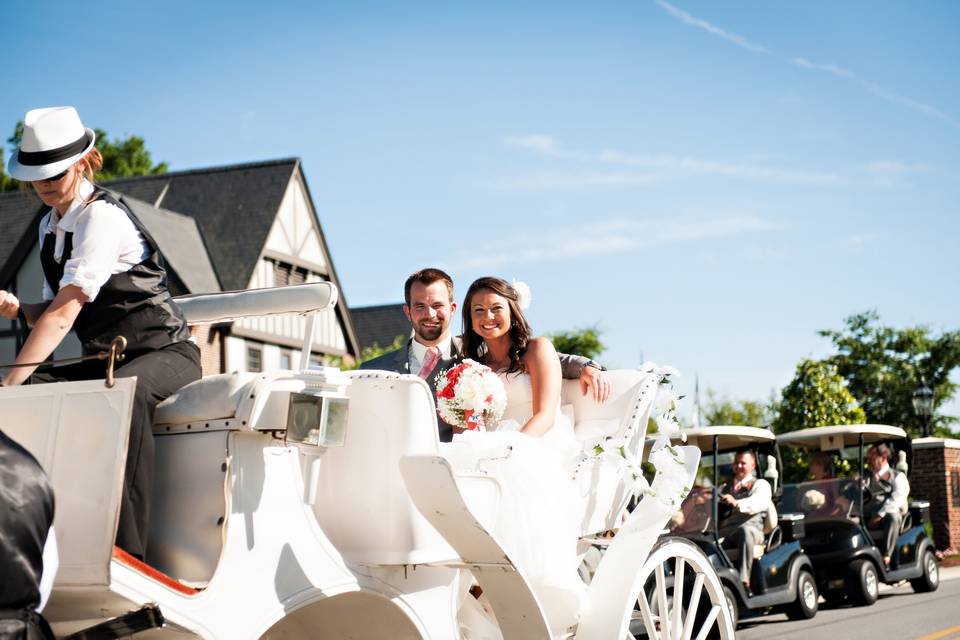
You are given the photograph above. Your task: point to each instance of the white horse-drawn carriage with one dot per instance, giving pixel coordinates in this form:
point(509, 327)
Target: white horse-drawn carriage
point(318, 504)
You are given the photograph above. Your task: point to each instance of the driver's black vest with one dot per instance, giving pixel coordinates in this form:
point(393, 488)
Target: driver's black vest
point(135, 304)
point(26, 513)
point(880, 489)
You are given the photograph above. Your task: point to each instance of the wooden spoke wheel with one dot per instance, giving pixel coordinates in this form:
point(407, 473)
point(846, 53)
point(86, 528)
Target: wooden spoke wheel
point(682, 598)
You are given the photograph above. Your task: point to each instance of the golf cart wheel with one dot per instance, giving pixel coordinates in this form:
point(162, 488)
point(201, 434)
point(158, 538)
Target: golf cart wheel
point(930, 579)
point(731, 599)
point(863, 583)
point(805, 606)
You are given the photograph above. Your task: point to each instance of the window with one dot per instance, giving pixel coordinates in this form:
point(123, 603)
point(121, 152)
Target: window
point(281, 274)
point(285, 273)
point(254, 359)
point(286, 359)
point(316, 362)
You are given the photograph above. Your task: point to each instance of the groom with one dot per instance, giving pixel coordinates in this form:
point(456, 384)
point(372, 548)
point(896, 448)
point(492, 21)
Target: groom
point(432, 350)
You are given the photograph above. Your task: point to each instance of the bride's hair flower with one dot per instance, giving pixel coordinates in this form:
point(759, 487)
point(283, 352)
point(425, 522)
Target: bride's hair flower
point(523, 294)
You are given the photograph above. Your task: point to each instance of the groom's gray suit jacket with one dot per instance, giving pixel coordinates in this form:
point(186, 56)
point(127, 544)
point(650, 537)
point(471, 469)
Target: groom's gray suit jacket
point(399, 362)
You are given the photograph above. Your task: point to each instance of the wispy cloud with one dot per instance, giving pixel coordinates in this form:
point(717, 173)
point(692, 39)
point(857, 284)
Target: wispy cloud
point(558, 181)
point(606, 237)
point(876, 89)
point(861, 240)
point(655, 168)
point(534, 142)
point(685, 17)
point(804, 63)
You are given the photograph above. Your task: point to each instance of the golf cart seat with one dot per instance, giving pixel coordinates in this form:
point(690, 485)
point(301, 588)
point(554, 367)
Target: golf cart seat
point(772, 536)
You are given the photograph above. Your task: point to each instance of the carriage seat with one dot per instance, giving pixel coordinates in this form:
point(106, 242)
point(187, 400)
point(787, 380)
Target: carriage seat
point(211, 398)
point(593, 422)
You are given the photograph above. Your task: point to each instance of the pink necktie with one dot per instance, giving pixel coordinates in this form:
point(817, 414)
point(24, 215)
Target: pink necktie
point(429, 362)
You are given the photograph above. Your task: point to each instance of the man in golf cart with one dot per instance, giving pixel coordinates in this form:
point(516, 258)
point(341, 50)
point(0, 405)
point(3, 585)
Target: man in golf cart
point(888, 498)
point(745, 502)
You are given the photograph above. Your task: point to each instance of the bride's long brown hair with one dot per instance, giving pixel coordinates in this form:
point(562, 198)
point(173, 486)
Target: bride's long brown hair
point(520, 332)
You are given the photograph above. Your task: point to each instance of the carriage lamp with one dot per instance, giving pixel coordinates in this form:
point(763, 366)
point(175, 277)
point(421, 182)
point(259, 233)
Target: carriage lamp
point(317, 420)
point(923, 405)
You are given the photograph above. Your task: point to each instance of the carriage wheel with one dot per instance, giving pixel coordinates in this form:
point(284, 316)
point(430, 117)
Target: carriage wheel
point(682, 598)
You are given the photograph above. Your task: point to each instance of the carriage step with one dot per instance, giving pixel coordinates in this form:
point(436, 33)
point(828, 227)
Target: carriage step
point(147, 617)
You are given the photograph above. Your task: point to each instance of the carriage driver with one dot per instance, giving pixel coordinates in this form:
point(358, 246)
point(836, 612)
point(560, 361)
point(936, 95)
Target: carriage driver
point(888, 498)
point(748, 499)
point(103, 277)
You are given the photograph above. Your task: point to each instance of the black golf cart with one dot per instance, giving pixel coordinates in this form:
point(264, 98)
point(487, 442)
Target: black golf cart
point(782, 575)
point(846, 557)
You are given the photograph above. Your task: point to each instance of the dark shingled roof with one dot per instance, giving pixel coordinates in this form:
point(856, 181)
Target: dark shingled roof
point(380, 324)
point(234, 206)
point(181, 245)
point(20, 213)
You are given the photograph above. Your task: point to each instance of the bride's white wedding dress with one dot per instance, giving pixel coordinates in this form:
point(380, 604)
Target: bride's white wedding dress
point(540, 510)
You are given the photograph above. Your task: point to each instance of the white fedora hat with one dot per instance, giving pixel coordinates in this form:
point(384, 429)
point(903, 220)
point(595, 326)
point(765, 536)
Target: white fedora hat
point(53, 139)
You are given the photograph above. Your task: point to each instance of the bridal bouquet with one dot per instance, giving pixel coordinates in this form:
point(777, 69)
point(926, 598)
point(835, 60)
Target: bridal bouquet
point(471, 397)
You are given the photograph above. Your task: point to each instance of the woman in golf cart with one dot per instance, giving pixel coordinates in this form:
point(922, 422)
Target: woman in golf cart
point(823, 498)
point(103, 277)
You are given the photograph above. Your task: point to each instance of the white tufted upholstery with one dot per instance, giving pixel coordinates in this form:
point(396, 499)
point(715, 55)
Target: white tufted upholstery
point(211, 398)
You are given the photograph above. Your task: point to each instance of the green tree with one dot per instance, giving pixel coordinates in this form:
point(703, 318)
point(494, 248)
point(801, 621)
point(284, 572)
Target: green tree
point(883, 365)
point(367, 353)
point(816, 397)
point(6, 182)
point(720, 410)
point(579, 342)
point(122, 158)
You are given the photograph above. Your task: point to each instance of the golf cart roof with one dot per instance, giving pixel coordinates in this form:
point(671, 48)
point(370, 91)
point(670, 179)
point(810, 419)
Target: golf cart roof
point(728, 437)
point(837, 437)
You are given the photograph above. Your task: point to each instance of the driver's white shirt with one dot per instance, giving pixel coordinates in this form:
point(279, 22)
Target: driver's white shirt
point(759, 499)
point(105, 242)
point(897, 501)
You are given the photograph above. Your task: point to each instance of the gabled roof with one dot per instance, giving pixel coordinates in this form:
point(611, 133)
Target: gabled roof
point(234, 206)
point(180, 243)
point(379, 324)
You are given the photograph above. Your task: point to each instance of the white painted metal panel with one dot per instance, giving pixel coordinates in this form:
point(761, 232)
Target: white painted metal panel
point(78, 431)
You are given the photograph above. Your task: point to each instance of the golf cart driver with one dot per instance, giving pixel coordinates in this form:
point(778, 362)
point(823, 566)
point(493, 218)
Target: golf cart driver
point(888, 498)
point(745, 503)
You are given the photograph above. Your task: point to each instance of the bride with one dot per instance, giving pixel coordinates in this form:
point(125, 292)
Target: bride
point(539, 520)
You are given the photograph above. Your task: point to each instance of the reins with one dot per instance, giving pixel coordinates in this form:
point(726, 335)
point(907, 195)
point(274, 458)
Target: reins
point(112, 355)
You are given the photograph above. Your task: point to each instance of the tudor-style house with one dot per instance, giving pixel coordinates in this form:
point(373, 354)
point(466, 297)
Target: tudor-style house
point(242, 226)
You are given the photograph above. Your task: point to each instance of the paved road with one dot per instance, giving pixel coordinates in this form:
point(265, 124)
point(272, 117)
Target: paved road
point(899, 613)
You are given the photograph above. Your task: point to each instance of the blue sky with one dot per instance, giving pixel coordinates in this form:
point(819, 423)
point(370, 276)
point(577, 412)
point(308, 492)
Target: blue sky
point(707, 182)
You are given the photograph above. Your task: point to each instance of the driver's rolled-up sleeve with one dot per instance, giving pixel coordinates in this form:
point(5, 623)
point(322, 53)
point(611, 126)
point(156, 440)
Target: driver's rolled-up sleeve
point(96, 248)
point(759, 499)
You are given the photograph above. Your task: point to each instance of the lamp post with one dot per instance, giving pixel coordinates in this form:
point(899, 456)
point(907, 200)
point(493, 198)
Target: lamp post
point(923, 405)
